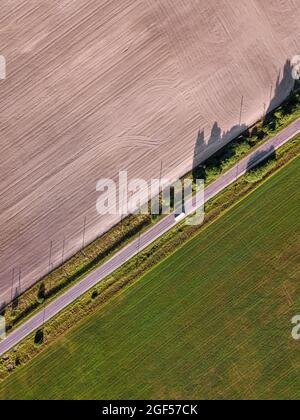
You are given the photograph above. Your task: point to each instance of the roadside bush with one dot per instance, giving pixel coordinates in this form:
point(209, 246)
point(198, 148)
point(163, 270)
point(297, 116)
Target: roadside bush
point(39, 338)
point(94, 294)
point(261, 171)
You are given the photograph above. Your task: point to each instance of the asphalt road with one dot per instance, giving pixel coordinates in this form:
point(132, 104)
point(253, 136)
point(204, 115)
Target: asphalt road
point(145, 240)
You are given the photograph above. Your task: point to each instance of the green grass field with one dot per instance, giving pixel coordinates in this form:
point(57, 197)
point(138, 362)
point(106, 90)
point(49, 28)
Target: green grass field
point(211, 321)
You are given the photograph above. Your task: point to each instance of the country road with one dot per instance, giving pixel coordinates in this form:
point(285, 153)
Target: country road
point(145, 240)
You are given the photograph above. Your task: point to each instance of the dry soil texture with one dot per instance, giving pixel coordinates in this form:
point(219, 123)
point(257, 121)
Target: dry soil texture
point(98, 86)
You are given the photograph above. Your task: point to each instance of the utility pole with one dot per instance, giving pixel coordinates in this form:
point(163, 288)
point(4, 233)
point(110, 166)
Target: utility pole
point(44, 316)
point(160, 175)
point(122, 208)
point(63, 251)
point(237, 176)
point(50, 256)
point(160, 195)
point(241, 111)
point(271, 94)
point(50, 265)
point(83, 234)
point(12, 284)
point(20, 289)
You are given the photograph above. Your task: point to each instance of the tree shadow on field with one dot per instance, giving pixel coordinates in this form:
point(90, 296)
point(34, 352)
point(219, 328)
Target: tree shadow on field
point(284, 86)
point(217, 137)
point(207, 156)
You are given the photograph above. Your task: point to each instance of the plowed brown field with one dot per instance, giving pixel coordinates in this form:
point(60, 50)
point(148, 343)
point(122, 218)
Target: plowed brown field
point(94, 87)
